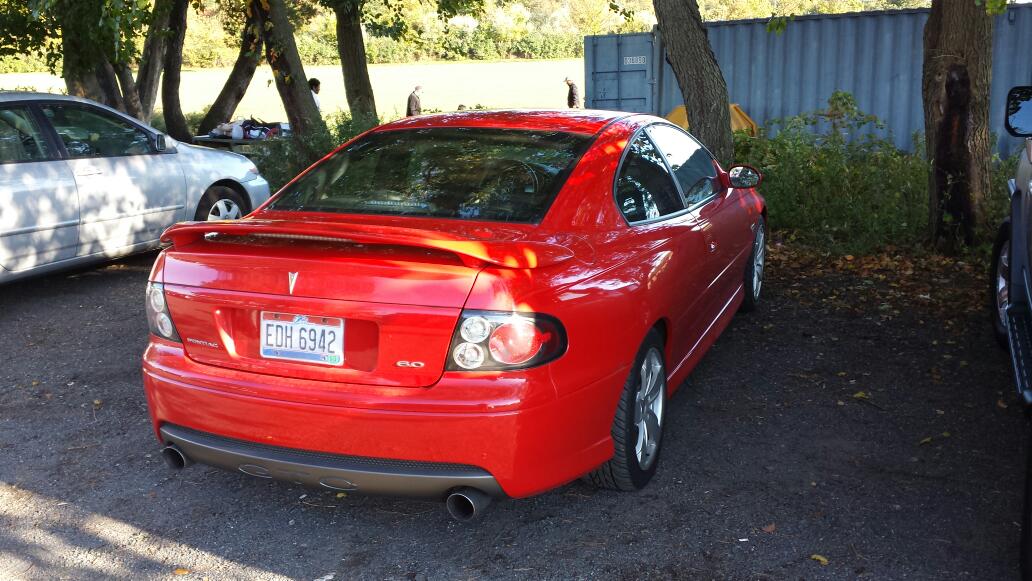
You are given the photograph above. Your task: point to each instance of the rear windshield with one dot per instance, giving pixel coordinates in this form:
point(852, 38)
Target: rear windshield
point(467, 173)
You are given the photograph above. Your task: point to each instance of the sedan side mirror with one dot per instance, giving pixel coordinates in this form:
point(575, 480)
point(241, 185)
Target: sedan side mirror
point(159, 143)
point(1019, 112)
point(744, 177)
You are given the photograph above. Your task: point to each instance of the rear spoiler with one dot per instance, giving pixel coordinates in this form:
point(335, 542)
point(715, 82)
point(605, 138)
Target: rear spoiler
point(472, 252)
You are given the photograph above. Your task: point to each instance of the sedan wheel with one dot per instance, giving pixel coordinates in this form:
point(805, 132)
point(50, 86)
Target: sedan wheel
point(224, 210)
point(638, 426)
point(999, 283)
point(220, 203)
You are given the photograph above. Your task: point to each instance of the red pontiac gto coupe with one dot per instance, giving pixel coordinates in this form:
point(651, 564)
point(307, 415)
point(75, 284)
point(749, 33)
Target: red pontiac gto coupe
point(460, 306)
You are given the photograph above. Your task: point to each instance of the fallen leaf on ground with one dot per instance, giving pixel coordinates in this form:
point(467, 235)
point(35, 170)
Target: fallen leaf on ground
point(342, 494)
point(181, 571)
point(927, 440)
point(1001, 404)
point(861, 395)
point(820, 559)
point(769, 528)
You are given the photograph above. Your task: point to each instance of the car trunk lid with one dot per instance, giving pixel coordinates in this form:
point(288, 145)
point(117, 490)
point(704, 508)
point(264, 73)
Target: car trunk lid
point(394, 293)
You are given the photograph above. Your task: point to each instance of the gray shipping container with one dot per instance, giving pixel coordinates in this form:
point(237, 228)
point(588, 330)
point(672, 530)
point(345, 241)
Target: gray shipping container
point(876, 56)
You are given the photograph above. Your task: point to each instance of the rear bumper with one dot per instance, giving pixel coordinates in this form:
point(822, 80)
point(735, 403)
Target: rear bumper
point(393, 441)
point(332, 471)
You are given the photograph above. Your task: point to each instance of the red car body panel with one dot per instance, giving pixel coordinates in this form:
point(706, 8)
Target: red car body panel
point(401, 292)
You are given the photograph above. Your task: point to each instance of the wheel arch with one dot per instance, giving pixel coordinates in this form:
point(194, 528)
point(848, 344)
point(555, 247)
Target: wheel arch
point(236, 187)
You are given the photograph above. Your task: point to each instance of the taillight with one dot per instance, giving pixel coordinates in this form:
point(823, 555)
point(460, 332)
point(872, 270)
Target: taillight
point(158, 318)
point(491, 341)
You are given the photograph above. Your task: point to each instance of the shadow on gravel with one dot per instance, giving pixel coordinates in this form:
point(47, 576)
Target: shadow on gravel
point(884, 439)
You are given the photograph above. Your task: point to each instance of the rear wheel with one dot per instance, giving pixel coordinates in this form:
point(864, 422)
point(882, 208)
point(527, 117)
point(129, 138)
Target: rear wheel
point(220, 203)
point(638, 426)
point(753, 283)
point(999, 283)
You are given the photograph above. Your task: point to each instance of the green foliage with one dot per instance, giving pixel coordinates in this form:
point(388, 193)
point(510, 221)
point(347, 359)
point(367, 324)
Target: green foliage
point(193, 121)
point(279, 160)
point(829, 182)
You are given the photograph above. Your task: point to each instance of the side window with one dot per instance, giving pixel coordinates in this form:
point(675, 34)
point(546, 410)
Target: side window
point(20, 137)
point(644, 188)
point(692, 164)
point(93, 133)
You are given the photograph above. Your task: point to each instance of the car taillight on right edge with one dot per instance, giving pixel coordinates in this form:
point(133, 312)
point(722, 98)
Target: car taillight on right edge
point(158, 318)
point(494, 340)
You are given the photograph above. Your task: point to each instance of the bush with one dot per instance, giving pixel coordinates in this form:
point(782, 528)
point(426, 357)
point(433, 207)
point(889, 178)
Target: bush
point(193, 121)
point(830, 182)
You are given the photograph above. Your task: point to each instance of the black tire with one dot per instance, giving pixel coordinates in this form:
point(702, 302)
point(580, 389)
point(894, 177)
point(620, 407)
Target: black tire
point(1002, 242)
point(753, 285)
point(624, 471)
point(220, 194)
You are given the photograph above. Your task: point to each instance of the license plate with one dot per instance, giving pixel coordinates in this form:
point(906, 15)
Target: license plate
point(304, 338)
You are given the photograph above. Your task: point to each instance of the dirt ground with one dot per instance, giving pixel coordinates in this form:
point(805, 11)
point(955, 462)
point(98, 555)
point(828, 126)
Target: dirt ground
point(860, 424)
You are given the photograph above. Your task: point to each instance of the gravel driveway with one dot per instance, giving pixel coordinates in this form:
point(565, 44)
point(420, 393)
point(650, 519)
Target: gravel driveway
point(815, 441)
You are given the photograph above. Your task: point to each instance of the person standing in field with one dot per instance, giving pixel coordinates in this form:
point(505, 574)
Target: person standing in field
point(315, 85)
point(414, 108)
point(573, 96)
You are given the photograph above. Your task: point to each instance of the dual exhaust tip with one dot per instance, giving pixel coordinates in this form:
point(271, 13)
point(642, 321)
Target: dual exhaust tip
point(463, 504)
point(175, 458)
point(467, 504)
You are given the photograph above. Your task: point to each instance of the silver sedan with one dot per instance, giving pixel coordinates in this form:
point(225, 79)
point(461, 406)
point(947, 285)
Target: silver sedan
point(82, 182)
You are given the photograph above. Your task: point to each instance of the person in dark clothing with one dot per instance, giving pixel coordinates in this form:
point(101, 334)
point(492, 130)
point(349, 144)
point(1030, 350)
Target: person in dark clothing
point(315, 85)
point(573, 96)
point(414, 107)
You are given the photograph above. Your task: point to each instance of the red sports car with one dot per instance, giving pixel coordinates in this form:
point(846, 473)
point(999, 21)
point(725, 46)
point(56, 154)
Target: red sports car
point(460, 306)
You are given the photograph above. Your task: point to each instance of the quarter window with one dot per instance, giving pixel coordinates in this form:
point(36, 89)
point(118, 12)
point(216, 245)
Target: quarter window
point(691, 163)
point(644, 188)
point(20, 137)
point(89, 133)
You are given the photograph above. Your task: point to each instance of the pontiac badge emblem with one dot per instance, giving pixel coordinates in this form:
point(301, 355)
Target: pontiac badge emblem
point(291, 279)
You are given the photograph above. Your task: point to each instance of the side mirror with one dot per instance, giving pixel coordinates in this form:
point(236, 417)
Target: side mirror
point(159, 143)
point(744, 177)
point(1019, 112)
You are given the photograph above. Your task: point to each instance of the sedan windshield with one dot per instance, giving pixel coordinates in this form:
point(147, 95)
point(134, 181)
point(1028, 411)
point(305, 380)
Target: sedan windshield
point(468, 173)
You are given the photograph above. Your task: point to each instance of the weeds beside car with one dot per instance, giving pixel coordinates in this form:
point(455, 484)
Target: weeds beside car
point(831, 182)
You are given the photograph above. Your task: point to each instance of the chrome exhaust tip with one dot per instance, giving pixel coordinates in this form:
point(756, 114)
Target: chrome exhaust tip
point(467, 504)
point(175, 458)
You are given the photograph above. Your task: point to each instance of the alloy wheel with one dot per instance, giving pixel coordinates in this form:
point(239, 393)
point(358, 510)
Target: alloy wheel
point(224, 209)
point(758, 261)
point(1002, 285)
point(649, 407)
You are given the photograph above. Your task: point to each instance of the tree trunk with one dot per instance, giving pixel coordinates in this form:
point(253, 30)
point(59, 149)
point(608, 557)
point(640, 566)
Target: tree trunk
point(351, 47)
point(955, 89)
point(239, 78)
point(698, 75)
point(175, 122)
point(80, 79)
point(130, 95)
point(281, 53)
point(152, 58)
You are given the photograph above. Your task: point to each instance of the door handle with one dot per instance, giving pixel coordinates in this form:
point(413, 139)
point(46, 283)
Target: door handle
point(88, 171)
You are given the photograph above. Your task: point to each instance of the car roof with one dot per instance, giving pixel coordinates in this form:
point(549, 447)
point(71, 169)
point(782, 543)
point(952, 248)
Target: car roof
point(586, 121)
point(18, 96)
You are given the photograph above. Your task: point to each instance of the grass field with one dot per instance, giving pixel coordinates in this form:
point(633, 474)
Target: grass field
point(446, 85)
